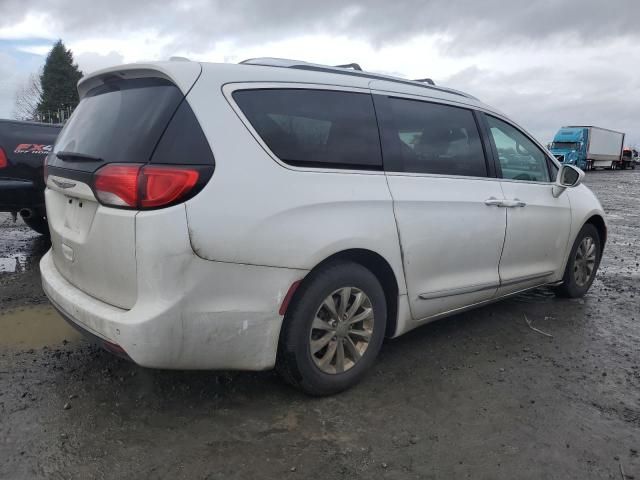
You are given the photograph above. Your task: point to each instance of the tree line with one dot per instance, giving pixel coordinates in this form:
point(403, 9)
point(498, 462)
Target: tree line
point(51, 94)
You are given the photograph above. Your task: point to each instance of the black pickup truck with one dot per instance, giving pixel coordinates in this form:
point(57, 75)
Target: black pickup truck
point(23, 149)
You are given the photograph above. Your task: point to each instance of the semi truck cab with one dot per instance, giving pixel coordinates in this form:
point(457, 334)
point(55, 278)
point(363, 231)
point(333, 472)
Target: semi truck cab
point(569, 146)
point(629, 158)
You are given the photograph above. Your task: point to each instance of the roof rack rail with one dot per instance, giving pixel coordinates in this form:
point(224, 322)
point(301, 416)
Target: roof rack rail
point(342, 70)
point(425, 80)
point(353, 66)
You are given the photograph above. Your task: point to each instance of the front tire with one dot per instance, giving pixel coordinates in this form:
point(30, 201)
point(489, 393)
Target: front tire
point(582, 265)
point(333, 329)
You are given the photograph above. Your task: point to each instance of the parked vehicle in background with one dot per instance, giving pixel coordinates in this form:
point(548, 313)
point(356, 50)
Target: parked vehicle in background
point(287, 214)
point(23, 149)
point(629, 158)
point(588, 147)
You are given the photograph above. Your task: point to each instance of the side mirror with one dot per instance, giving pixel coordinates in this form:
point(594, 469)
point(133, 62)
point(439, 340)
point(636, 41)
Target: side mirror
point(568, 176)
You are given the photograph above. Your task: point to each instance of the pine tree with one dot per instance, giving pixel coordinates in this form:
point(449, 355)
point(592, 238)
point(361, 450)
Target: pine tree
point(59, 78)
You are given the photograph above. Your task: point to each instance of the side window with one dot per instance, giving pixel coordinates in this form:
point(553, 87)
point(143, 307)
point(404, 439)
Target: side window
point(520, 158)
point(435, 138)
point(315, 128)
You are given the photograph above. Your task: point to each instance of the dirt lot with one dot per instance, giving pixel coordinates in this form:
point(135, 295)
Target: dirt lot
point(479, 395)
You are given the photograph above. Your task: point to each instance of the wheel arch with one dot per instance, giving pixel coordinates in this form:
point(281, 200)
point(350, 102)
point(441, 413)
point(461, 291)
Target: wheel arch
point(380, 267)
point(598, 222)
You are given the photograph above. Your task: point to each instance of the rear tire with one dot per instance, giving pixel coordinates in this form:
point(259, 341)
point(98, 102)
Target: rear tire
point(318, 316)
point(582, 265)
point(37, 223)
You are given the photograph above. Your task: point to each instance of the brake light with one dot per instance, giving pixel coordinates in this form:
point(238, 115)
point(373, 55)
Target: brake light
point(117, 185)
point(140, 187)
point(3, 158)
point(164, 185)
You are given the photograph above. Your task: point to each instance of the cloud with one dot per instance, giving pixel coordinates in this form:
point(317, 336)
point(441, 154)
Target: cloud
point(469, 25)
point(545, 63)
point(41, 50)
point(91, 61)
point(544, 90)
point(8, 82)
point(15, 67)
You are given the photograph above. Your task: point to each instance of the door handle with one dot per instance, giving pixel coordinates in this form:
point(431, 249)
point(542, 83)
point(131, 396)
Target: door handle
point(514, 203)
point(494, 202)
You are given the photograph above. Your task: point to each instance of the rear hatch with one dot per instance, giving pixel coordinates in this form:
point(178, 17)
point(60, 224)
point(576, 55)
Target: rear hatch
point(122, 118)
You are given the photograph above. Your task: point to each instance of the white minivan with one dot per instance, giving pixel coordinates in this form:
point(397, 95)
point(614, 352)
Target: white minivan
point(285, 214)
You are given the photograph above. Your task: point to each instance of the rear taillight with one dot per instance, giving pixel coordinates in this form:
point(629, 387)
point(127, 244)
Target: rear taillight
point(3, 159)
point(117, 185)
point(166, 185)
point(143, 187)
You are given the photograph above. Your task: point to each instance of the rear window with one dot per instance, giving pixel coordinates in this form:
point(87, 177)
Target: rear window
point(120, 121)
point(315, 128)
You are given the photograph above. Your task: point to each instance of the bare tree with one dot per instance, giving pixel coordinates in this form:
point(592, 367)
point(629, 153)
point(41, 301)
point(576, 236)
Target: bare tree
point(27, 98)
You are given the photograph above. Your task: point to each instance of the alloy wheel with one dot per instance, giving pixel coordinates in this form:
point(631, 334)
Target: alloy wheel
point(585, 261)
point(341, 330)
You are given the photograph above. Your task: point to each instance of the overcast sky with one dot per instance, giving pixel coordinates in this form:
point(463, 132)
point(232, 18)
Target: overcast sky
point(546, 63)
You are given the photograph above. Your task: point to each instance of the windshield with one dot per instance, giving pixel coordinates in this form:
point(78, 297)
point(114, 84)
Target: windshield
point(566, 145)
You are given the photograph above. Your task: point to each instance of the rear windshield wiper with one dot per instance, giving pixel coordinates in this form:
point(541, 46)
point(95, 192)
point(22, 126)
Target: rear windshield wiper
point(77, 157)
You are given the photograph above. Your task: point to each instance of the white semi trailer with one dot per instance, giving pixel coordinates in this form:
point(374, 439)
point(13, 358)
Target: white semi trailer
point(605, 147)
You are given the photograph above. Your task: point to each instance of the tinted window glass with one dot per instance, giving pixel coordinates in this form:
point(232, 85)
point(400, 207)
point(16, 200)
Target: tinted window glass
point(520, 158)
point(120, 121)
point(315, 128)
point(437, 138)
point(183, 141)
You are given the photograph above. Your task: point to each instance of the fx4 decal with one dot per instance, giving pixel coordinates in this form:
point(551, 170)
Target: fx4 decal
point(33, 148)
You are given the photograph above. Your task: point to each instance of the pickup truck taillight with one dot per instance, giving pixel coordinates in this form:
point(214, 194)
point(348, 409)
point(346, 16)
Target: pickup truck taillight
point(140, 187)
point(3, 158)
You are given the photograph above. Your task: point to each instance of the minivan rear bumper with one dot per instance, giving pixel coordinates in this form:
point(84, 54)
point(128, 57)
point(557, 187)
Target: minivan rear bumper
point(217, 330)
point(92, 337)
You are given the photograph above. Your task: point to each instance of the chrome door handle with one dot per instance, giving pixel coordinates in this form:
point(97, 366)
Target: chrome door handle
point(514, 203)
point(494, 202)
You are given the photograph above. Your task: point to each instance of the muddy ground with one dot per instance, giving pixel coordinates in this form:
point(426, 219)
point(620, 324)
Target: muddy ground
point(479, 395)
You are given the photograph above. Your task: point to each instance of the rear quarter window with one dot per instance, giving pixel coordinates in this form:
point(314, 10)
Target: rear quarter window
point(315, 128)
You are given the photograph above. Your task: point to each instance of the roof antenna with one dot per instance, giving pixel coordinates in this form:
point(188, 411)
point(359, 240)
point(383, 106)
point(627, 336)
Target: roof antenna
point(425, 80)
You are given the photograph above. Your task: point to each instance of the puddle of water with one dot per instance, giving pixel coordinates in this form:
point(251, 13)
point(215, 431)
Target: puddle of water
point(34, 327)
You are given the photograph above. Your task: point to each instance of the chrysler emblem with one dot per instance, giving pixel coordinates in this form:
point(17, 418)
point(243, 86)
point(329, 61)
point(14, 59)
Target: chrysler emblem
point(63, 184)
